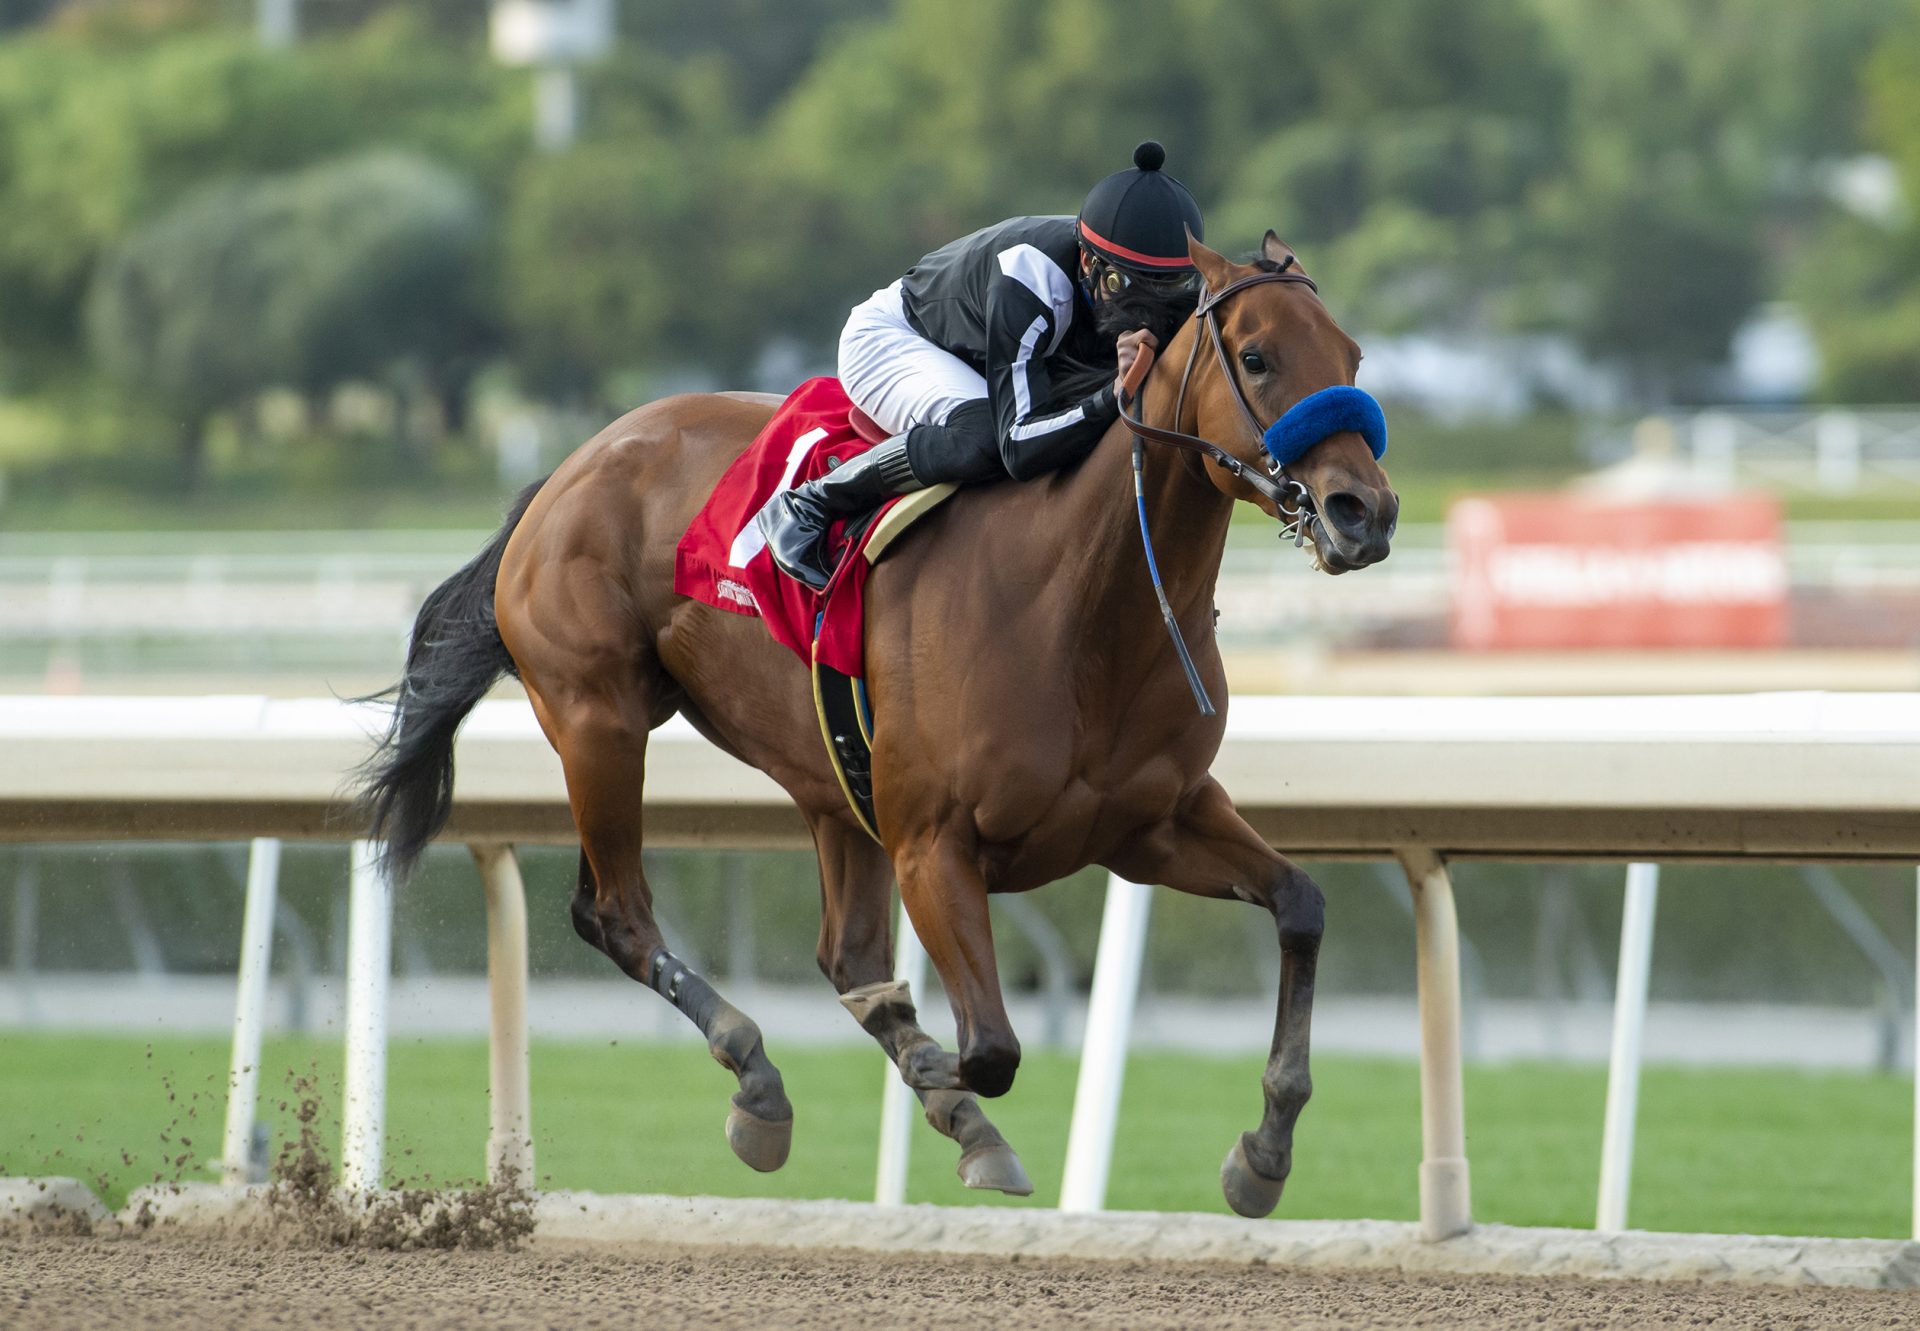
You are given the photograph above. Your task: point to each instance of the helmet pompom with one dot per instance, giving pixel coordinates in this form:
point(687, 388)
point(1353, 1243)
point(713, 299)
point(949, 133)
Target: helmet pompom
point(1150, 156)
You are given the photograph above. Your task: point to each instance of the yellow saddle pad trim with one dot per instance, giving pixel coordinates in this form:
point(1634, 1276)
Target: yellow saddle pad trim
point(902, 516)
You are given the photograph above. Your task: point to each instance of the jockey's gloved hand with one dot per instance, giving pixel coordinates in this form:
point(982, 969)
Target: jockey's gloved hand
point(1127, 351)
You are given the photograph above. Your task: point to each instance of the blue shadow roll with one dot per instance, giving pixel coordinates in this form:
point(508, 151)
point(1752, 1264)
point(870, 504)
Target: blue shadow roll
point(1327, 412)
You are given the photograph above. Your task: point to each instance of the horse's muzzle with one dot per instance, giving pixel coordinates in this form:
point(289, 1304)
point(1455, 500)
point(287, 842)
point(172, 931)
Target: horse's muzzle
point(1356, 527)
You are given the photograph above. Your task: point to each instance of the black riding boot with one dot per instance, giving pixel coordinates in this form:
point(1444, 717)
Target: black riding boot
point(795, 522)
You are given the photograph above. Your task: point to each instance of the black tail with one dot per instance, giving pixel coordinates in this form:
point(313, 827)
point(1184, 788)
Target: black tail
point(405, 789)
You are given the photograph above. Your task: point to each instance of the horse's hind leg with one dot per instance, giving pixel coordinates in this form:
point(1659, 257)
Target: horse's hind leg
point(1207, 849)
point(602, 746)
point(856, 954)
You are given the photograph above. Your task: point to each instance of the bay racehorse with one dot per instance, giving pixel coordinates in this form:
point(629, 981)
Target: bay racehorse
point(1031, 715)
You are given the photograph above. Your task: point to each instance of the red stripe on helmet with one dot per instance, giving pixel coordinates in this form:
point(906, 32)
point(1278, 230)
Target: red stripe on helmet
point(1131, 256)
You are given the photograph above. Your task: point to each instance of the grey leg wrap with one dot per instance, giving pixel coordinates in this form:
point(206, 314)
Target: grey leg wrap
point(885, 1011)
point(760, 1128)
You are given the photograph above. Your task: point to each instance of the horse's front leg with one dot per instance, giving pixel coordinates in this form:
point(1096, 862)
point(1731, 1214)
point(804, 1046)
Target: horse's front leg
point(856, 954)
point(945, 895)
point(1207, 849)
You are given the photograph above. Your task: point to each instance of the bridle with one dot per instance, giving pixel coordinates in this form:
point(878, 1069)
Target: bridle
point(1290, 499)
point(1274, 484)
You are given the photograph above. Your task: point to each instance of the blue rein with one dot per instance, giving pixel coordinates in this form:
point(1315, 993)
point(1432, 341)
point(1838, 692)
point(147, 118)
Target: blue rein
point(1330, 411)
point(1200, 697)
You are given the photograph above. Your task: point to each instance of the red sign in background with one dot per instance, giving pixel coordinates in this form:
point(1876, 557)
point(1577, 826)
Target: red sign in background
point(1565, 571)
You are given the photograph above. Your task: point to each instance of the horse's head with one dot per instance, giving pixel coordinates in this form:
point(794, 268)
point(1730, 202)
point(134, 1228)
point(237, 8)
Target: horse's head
point(1281, 346)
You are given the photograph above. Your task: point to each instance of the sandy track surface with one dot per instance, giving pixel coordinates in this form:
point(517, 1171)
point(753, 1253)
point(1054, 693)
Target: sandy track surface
point(213, 1285)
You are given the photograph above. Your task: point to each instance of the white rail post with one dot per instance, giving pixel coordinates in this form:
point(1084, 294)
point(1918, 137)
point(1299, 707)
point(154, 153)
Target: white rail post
point(1103, 1051)
point(509, 1094)
point(1916, 1068)
point(1836, 451)
point(1446, 1203)
point(897, 1100)
point(250, 1010)
point(1716, 444)
point(1629, 1032)
point(369, 958)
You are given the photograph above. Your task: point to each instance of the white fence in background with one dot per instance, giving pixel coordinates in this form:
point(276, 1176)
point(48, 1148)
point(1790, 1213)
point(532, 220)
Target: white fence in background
point(1806, 777)
point(171, 606)
point(1841, 450)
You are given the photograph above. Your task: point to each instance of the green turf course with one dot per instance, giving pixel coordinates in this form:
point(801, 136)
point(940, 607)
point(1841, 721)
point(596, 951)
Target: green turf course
point(1723, 1151)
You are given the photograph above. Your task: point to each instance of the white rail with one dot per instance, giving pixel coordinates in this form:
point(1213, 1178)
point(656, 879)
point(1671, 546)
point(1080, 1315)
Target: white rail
point(1103, 1053)
point(1629, 1030)
point(896, 1100)
point(363, 1126)
point(250, 1003)
point(1794, 777)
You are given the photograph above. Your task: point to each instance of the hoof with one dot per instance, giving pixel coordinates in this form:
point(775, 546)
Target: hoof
point(995, 1168)
point(1249, 1192)
point(761, 1143)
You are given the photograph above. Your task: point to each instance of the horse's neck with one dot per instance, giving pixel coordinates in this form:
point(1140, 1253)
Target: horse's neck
point(1188, 517)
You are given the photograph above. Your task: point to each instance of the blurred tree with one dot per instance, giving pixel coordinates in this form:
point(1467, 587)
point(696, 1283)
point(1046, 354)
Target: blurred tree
point(1859, 289)
point(308, 281)
point(24, 13)
point(96, 136)
point(1633, 172)
point(455, 20)
point(1860, 282)
point(1698, 125)
point(635, 248)
point(763, 45)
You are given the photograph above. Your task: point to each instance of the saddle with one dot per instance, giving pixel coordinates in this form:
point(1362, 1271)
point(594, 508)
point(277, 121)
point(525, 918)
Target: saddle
point(722, 561)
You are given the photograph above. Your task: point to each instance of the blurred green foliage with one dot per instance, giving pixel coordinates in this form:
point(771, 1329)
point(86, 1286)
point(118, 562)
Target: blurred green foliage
point(1861, 282)
point(339, 272)
point(1638, 173)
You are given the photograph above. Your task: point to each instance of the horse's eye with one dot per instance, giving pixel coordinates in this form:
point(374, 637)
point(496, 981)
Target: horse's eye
point(1253, 361)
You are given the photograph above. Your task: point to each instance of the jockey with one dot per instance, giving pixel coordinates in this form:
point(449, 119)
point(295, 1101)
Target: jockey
point(1001, 354)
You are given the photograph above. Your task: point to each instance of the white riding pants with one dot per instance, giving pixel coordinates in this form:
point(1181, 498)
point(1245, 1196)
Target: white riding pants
point(895, 375)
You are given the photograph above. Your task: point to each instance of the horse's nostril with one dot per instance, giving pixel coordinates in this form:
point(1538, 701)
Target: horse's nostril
point(1347, 512)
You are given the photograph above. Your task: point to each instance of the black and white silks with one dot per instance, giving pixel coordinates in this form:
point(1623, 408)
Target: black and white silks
point(1004, 300)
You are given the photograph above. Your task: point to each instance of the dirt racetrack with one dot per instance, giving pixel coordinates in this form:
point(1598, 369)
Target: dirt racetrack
point(210, 1284)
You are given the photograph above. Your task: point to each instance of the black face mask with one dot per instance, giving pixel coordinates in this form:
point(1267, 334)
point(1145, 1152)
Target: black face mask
point(1120, 312)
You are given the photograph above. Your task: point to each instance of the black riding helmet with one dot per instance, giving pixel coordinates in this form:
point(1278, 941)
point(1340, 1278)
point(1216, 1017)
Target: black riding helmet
point(1137, 221)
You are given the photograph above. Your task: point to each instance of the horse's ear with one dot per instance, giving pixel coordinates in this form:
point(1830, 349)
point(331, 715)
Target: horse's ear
point(1278, 251)
point(1214, 267)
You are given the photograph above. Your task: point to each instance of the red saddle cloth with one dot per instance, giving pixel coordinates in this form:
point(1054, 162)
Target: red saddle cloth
point(723, 561)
